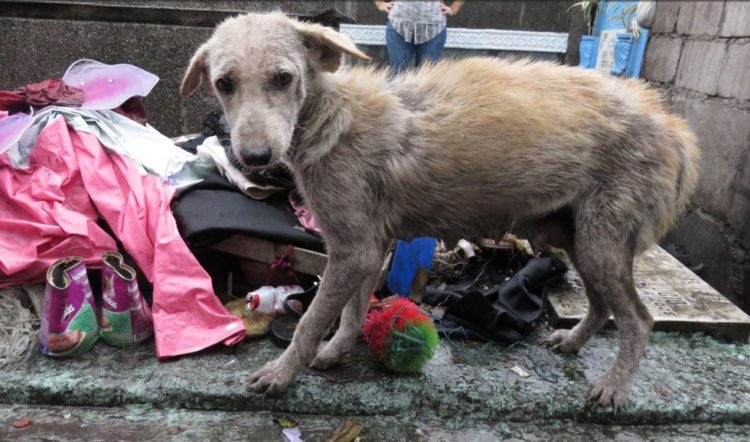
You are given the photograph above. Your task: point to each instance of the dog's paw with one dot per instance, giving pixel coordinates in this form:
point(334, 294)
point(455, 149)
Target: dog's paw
point(562, 340)
point(271, 379)
point(329, 354)
point(608, 391)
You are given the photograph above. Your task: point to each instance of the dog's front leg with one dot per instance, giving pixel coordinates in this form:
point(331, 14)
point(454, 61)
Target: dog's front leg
point(343, 277)
point(343, 341)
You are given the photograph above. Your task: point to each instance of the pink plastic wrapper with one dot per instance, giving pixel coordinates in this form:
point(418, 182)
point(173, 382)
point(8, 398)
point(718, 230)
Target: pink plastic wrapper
point(304, 215)
point(100, 86)
point(12, 128)
point(107, 86)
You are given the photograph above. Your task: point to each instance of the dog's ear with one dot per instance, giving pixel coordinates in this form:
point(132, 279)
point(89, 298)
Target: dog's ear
point(196, 73)
point(327, 45)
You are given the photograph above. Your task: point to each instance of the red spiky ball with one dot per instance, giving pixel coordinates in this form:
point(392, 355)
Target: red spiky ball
point(400, 334)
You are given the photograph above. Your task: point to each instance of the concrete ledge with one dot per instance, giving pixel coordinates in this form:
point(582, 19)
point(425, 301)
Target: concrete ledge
point(144, 423)
point(682, 380)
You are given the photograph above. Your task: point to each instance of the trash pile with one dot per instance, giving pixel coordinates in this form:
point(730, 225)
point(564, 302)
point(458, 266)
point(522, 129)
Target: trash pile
point(81, 175)
point(494, 293)
point(111, 217)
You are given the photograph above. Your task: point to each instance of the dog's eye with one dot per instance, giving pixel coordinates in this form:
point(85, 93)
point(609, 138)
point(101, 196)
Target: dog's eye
point(282, 80)
point(225, 85)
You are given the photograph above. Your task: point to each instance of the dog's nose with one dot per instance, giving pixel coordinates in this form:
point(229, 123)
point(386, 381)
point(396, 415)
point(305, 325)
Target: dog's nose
point(256, 156)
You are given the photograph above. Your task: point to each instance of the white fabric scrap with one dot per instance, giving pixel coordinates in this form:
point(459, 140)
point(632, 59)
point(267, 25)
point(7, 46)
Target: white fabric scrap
point(212, 148)
point(150, 150)
point(292, 434)
point(520, 371)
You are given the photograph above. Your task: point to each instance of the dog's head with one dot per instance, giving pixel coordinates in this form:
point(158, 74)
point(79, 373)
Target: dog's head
point(260, 66)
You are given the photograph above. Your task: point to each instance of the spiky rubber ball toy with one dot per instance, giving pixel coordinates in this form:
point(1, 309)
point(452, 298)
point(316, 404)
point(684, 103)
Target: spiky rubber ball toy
point(401, 335)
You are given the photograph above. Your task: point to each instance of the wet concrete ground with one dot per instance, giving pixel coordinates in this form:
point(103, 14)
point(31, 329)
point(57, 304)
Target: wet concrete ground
point(142, 423)
point(688, 387)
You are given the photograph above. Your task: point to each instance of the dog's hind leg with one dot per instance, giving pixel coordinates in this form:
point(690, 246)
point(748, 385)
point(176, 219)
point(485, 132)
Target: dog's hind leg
point(345, 273)
point(343, 341)
point(604, 258)
point(558, 231)
point(571, 341)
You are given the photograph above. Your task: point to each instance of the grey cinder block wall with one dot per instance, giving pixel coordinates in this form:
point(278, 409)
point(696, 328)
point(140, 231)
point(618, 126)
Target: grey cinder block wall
point(699, 56)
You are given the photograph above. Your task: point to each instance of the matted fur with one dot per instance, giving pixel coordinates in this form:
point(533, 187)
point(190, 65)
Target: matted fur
point(464, 148)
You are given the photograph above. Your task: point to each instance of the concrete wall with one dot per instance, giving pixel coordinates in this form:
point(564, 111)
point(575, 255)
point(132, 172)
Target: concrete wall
point(39, 41)
point(700, 56)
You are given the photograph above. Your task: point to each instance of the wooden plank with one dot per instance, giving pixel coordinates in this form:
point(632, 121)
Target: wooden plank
point(677, 298)
point(303, 260)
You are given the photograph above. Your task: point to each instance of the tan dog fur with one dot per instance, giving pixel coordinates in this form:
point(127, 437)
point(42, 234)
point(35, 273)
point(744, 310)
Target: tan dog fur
point(469, 148)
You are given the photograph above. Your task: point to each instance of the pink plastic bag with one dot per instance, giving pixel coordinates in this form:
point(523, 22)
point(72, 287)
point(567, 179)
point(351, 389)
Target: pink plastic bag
point(108, 86)
point(49, 211)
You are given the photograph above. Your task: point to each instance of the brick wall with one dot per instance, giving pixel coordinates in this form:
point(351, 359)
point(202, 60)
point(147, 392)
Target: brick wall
point(700, 56)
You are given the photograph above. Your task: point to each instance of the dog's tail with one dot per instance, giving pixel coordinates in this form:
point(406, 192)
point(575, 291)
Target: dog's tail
point(690, 155)
point(684, 145)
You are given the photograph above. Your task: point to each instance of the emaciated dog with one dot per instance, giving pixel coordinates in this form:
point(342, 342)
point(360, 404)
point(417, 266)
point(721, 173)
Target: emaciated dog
point(471, 148)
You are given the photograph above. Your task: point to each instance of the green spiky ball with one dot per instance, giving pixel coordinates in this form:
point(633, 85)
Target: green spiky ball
point(401, 336)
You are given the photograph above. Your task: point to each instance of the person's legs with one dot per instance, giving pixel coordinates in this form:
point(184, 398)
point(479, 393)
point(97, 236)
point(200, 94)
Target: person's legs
point(431, 50)
point(400, 52)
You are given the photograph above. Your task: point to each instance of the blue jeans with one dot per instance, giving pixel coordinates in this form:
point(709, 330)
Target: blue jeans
point(401, 53)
